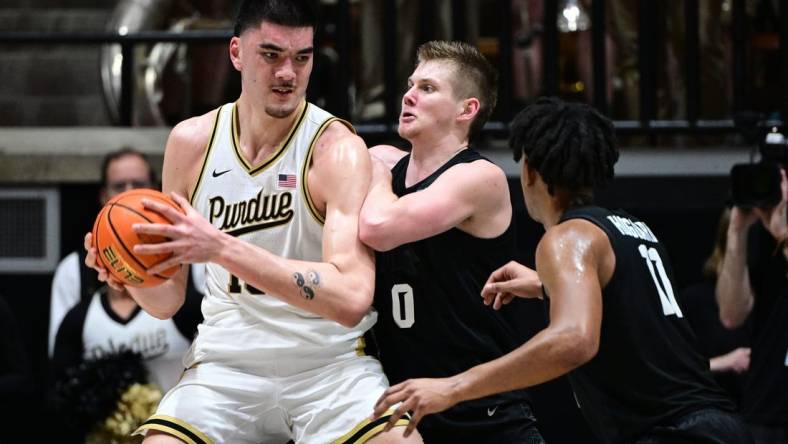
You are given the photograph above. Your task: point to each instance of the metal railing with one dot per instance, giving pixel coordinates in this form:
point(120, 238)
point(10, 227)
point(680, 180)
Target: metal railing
point(647, 123)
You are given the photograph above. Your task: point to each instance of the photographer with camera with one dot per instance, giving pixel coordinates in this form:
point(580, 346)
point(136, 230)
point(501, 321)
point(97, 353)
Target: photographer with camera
point(753, 282)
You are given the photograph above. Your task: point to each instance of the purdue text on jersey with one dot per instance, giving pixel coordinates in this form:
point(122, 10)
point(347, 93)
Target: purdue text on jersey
point(257, 213)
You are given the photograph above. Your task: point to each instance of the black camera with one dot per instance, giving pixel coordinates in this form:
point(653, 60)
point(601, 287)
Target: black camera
point(758, 184)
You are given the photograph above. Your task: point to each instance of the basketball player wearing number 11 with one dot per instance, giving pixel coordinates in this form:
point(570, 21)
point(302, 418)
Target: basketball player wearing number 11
point(615, 325)
point(276, 186)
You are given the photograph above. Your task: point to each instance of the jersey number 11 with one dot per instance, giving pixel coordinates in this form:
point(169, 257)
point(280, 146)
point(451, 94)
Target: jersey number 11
point(661, 281)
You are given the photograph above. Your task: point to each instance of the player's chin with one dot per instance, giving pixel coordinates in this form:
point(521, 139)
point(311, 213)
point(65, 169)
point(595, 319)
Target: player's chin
point(406, 129)
point(282, 110)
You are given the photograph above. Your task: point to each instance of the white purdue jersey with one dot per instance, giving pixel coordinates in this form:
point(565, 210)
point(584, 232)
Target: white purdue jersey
point(266, 205)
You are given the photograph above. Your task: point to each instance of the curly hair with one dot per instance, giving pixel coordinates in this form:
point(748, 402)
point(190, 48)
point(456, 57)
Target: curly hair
point(570, 145)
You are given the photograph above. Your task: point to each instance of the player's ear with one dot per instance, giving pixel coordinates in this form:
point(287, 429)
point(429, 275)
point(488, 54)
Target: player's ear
point(469, 109)
point(235, 52)
point(528, 174)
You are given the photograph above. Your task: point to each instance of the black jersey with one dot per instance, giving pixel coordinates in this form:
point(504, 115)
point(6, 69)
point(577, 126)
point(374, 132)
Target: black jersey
point(432, 321)
point(647, 371)
point(765, 397)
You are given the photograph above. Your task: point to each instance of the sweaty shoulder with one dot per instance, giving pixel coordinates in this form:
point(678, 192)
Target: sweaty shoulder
point(339, 160)
point(338, 144)
point(193, 134)
point(186, 147)
point(578, 242)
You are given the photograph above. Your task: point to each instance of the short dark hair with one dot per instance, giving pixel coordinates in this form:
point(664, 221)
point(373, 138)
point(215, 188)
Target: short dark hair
point(122, 152)
point(291, 13)
point(570, 145)
point(474, 76)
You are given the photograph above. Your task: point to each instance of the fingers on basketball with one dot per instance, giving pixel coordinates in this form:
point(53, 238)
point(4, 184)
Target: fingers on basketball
point(115, 239)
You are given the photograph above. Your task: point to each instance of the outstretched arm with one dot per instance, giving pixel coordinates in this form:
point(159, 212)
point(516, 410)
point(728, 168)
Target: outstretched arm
point(472, 196)
point(510, 281)
point(574, 260)
point(338, 288)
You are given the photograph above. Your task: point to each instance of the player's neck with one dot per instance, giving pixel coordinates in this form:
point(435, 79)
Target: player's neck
point(260, 134)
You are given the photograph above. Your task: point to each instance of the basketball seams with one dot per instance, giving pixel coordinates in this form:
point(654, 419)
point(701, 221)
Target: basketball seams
point(147, 219)
point(134, 210)
point(120, 241)
point(112, 229)
point(96, 237)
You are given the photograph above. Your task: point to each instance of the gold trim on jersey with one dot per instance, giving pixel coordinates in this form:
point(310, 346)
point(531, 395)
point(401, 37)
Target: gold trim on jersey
point(174, 426)
point(310, 205)
point(278, 152)
point(361, 346)
point(367, 429)
point(205, 157)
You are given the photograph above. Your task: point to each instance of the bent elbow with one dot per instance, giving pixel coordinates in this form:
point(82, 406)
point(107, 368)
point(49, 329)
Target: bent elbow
point(582, 348)
point(354, 311)
point(164, 312)
point(733, 316)
point(372, 233)
point(730, 320)
point(353, 316)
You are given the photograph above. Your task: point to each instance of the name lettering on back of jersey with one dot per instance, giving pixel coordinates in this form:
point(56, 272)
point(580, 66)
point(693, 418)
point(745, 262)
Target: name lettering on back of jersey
point(258, 213)
point(627, 227)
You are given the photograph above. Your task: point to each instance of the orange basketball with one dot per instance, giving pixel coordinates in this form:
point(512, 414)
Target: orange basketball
point(114, 238)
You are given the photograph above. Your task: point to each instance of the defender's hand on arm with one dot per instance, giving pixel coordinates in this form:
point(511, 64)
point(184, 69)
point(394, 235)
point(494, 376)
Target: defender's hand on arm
point(510, 281)
point(419, 396)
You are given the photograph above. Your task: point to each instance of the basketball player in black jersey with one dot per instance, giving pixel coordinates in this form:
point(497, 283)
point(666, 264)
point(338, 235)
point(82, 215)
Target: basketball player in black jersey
point(614, 325)
point(441, 220)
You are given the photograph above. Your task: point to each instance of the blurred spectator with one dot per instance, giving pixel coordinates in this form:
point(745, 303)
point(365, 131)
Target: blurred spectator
point(753, 282)
point(91, 323)
point(728, 350)
point(411, 25)
point(16, 383)
point(575, 49)
point(110, 322)
point(73, 281)
point(670, 28)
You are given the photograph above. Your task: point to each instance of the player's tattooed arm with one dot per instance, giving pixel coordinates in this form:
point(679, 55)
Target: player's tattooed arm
point(307, 283)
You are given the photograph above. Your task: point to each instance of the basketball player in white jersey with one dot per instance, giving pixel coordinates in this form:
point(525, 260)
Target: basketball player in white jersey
point(276, 186)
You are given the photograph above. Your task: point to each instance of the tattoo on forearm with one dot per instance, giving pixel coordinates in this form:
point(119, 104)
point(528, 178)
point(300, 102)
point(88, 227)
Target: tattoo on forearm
point(307, 285)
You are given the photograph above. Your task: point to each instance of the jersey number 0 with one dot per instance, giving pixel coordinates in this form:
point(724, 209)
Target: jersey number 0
point(402, 305)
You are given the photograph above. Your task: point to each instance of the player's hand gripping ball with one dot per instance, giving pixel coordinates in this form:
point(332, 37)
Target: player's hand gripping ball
point(114, 238)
